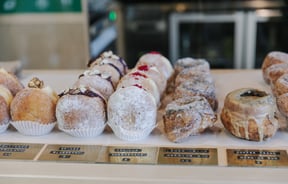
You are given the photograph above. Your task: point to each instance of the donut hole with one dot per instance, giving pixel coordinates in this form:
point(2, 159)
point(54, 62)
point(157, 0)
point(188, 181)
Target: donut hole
point(256, 93)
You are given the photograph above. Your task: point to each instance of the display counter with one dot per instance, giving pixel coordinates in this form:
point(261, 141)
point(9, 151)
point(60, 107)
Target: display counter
point(206, 158)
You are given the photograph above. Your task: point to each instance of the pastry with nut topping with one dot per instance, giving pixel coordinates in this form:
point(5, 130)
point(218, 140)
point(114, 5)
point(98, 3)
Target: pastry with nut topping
point(33, 109)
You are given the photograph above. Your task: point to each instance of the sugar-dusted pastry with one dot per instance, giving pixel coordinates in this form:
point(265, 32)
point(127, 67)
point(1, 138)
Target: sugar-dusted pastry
point(280, 86)
point(94, 79)
point(249, 113)
point(132, 113)
point(153, 73)
point(187, 116)
point(136, 78)
point(33, 107)
point(273, 72)
point(5, 100)
point(198, 88)
point(159, 61)
point(195, 64)
point(274, 57)
point(10, 81)
point(190, 74)
point(111, 59)
point(81, 112)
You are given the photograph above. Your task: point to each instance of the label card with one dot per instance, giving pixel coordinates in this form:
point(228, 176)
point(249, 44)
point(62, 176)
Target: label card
point(188, 156)
point(257, 158)
point(21, 151)
point(78, 153)
point(132, 155)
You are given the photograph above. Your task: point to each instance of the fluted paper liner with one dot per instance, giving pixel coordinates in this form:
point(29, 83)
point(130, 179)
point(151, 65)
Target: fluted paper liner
point(84, 132)
point(33, 128)
point(3, 127)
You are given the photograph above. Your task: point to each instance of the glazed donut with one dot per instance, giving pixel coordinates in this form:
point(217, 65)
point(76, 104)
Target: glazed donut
point(36, 103)
point(80, 109)
point(274, 57)
point(136, 78)
point(10, 81)
point(280, 86)
point(110, 58)
point(273, 72)
point(197, 88)
point(159, 61)
point(187, 116)
point(249, 114)
point(100, 82)
point(132, 113)
point(195, 64)
point(153, 73)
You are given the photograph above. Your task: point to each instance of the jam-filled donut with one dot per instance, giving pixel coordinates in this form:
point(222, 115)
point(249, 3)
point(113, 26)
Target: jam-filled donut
point(136, 78)
point(159, 61)
point(187, 116)
point(250, 114)
point(132, 113)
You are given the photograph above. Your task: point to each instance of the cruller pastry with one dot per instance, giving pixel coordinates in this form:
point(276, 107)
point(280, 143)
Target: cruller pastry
point(250, 114)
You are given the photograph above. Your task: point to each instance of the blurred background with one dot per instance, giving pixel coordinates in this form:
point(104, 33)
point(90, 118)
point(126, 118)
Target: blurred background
point(66, 34)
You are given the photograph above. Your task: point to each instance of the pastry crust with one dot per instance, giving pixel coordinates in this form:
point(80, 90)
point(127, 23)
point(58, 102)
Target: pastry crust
point(249, 114)
point(188, 116)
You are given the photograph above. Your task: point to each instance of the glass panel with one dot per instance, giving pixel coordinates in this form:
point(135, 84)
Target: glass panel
point(212, 41)
point(271, 36)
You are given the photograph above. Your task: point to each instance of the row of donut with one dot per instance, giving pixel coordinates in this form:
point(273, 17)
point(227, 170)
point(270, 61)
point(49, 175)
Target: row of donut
point(105, 93)
point(275, 73)
point(193, 101)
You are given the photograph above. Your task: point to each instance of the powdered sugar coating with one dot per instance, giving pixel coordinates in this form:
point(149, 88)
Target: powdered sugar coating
point(131, 113)
point(80, 111)
point(195, 64)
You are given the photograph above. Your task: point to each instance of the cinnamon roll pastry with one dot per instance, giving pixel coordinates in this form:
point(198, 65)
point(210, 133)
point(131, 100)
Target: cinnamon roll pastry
point(186, 117)
point(198, 88)
point(132, 113)
point(250, 114)
point(274, 57)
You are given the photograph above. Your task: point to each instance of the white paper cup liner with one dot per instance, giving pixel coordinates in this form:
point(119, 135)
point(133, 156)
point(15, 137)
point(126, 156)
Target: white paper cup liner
point(33, 128)
point(84, 132)
point(131, 135)
point(3, 127)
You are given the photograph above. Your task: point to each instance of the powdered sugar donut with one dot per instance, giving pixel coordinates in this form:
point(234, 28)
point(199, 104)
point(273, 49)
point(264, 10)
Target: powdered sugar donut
point(155, 75)
point(273, 72)
point(110, 58)
point(159, 61)
point(193, 75)
point(132, 113)
point(136, 78)
point(280, 86)
point(5, 100)
point(98, 81)
point(195, 64)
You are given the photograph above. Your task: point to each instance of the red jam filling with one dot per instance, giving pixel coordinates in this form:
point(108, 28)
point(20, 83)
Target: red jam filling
point(143, 67)
point(154, 52)
point(138, 74)
point(138, 86)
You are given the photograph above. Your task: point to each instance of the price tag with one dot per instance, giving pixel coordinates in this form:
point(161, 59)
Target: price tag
point(22, 151)
point(188, 156)
point(132, 155)
point(258, 158)
point(75, 153)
